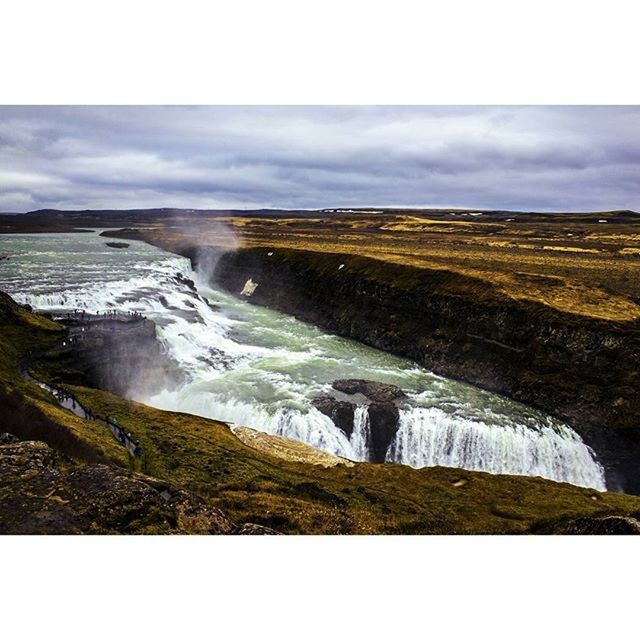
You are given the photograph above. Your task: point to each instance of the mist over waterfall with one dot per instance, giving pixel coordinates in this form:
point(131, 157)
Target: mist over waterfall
point(255, 367)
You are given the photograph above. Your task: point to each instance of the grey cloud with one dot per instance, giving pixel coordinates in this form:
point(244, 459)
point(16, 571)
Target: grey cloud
point(545, 158)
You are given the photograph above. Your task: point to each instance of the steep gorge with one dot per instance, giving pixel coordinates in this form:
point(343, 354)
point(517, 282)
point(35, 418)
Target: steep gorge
point(584, 371)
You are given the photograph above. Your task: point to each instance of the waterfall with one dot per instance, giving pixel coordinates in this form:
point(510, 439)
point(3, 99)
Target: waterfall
point(429, 437)
point(314, 428)
point(311, 427)
point(361, 436)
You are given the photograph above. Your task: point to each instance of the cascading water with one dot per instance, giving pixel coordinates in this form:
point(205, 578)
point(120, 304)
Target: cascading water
point(429, 437)
point(255, 367)
point(361, 436)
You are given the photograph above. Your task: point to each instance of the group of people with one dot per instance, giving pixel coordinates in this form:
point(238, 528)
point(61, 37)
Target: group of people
point(108, 314)
point(123, 436)
point(71, 340)
point(114, 313)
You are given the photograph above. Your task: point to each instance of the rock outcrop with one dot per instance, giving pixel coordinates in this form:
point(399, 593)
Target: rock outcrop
point(382, 401)
point(376, 392)
point(341, 412)
point(287, 449)
point(42, 492)
point(251, 529)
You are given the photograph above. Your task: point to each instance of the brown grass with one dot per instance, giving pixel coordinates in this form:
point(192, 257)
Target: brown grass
point(597, 267)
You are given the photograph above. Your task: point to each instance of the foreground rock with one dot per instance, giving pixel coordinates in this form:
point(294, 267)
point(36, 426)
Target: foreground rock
point(606, 525)
point(43, 493)
point(382, 402)
point(118, 245)
point(250, 529)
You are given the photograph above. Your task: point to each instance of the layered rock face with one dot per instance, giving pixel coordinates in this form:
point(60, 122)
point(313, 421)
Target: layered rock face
point(583, 370)
point(124, 358)
point(41, 492)
point(382, 401)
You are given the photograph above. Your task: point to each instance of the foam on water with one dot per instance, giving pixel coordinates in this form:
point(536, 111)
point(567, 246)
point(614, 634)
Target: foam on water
point(429, 437)
point(254, 367)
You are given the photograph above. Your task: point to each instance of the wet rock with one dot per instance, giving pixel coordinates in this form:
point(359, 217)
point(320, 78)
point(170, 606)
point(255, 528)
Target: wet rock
point(187, 282)
point(340, 412)
point(43, 492)
point(374, 391)
point(382, 400)
point(211, 305)
point(118, 245)
point(383, 420)
point(166, 304)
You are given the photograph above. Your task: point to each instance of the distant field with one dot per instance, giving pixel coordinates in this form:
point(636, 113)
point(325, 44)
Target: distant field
point(579, 266)
point(586, 264)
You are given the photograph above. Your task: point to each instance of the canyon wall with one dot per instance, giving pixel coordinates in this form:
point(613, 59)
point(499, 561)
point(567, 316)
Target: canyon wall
point(585, 371)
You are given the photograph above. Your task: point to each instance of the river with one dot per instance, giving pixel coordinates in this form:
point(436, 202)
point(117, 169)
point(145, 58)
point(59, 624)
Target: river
point(255, 367)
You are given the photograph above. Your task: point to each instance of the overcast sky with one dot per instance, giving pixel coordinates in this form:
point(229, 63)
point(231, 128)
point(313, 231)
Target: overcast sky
point(524, 158)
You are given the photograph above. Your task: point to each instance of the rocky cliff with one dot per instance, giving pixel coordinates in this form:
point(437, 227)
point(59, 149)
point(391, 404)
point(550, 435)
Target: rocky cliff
point(122, 357)
point(583, 370)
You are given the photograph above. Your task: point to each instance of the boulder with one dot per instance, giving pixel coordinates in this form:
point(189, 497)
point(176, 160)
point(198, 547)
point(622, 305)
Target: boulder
point(180, 278)
point(340, 411)
point(383, 421)
point(250, 529)
point(7, 438)
point(374, 391)
point(382, 400)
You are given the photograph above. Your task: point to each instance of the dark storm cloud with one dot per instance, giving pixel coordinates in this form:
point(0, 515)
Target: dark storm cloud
point(545, 158)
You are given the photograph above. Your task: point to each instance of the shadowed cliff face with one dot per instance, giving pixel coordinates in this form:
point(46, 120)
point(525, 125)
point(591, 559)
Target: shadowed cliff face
point(582, 370)
point(125, 358)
